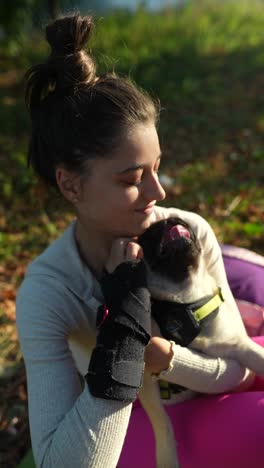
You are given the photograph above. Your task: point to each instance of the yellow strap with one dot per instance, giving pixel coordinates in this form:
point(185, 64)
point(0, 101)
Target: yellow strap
point(210, 306)
point(164, 389)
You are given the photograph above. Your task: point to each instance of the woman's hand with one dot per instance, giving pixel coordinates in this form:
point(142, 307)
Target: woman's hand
point(123, 250)
point(117, 363)
point(158, 354)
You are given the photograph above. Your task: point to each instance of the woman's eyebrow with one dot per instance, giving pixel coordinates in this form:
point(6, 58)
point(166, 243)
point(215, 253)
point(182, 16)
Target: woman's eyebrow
point(136, 167)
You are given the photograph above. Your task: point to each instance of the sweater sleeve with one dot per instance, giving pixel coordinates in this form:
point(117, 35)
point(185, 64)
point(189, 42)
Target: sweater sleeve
point(202, 373)
point(192, 369)
point(69, 427)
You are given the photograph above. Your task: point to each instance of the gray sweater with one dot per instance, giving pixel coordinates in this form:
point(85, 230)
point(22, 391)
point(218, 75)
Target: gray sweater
point(56, 312)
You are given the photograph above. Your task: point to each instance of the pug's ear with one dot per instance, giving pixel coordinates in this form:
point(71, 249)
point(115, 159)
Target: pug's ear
point(69, 184)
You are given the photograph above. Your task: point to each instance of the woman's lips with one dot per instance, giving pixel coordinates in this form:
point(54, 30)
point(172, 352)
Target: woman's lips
point(147, 210)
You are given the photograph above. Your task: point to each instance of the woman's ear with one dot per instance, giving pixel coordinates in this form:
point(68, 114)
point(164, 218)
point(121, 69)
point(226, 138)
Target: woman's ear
point(69, 184)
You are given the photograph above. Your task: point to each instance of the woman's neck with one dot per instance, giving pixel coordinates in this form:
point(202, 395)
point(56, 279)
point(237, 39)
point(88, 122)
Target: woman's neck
point(93, 248)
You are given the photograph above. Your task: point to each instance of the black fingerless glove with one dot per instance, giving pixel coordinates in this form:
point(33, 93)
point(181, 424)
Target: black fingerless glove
point(117, 362)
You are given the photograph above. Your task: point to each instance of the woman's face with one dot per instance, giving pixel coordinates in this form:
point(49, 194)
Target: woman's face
point(118, 196)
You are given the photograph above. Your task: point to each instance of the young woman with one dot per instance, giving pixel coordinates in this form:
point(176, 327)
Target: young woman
point(84, 339)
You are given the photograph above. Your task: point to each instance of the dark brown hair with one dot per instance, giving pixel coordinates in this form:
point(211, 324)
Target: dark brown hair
point(77, 116)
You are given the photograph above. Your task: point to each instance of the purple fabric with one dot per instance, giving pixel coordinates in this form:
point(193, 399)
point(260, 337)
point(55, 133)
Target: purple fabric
point(246, 279)
point(216, 431)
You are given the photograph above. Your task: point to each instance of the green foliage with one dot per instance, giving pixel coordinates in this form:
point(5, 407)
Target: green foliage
point(13, 13)
point(205, 64)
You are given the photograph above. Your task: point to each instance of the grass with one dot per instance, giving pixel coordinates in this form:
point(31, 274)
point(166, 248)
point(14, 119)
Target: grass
point(205, 64)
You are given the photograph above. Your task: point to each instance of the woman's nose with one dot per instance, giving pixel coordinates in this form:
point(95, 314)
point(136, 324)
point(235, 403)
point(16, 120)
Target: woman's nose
point(161, 191)
point(154, 189)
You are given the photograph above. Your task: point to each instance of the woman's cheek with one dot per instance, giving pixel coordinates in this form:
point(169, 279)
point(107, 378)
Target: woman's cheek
point(130, 196)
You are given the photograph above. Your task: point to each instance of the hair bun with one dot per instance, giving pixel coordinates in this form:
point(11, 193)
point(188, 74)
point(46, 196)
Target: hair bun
point(69, 34)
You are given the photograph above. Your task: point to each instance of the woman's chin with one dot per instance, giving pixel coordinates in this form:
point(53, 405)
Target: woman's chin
point(137, 227)
point(143, 226)
point(146, 221)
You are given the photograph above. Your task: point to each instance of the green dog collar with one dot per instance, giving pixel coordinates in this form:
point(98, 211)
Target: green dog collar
point(209, 306)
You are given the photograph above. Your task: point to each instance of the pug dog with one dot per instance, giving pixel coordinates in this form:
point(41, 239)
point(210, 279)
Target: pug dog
point(190, 310)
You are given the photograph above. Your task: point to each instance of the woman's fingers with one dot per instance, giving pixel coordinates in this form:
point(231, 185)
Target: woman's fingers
point(123, 250)
point(116, 255)
point(158, 354)
point(133, 251)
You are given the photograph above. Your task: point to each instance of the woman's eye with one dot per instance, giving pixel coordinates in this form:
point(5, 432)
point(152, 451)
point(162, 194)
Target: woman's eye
point(136, 183)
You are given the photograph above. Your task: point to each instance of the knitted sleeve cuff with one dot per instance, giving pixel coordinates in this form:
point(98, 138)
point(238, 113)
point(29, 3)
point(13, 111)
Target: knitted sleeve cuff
point(201, 373)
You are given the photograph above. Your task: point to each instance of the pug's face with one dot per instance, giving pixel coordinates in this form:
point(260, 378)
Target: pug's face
point(176, 270)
